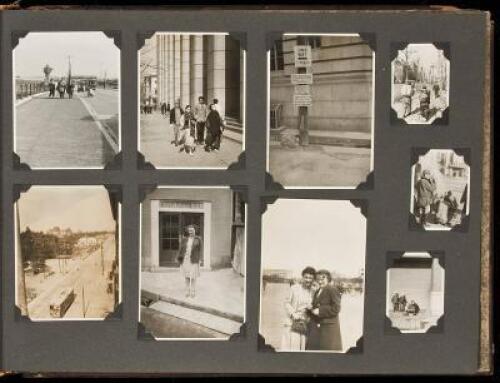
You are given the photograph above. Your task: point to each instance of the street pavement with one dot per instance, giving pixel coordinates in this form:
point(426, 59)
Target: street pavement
point(85, 276)
point(156, 136)
point(219, 290)
point(273, 315)
point(319, 165)
point(65, 133)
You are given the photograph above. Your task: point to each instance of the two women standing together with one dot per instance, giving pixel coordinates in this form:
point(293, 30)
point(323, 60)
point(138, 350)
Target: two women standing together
point(312, 310)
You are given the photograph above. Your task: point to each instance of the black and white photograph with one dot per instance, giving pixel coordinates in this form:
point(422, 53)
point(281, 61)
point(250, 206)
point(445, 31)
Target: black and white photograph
point(192, 278)
point(67, 99)
point(440, 190)
point(321, 110)
point(415, 292)
point(313, 275)
point(192, 100)
point(67, 253)
point(420, 83)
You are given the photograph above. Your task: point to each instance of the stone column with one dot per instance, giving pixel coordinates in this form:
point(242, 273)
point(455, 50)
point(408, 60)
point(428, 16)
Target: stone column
point(437, 289)
point(185, 67)
point(171, 70)
point(159, 75)
point(177, 67)
point(196, 68)
point(217, 67)
point(163, 70)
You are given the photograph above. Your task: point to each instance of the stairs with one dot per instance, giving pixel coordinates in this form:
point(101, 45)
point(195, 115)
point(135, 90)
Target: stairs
point(327, 137)
point(233, 130)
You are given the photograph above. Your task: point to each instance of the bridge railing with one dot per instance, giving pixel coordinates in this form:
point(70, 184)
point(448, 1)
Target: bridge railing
point(25, 88)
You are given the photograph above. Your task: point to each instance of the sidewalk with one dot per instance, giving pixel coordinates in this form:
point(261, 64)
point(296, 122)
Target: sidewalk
point(319, 165)
point(218, 292)
point(156, 136)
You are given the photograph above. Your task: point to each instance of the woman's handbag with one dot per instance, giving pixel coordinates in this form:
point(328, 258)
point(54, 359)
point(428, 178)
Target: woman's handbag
point(299, 326)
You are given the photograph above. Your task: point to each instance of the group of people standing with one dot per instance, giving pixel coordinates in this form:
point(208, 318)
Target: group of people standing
point(62, 88)
point(400, 304)
point(312, 313)
point(409, 94)
point(433, 208)
point(201, 125)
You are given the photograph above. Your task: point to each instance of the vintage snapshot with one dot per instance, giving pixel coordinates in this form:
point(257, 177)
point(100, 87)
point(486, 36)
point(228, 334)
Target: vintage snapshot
point(192, 100)
point(313, 266)
point(440, 189)
point(321, 110)
point(420, 83)
point(192, 277)
point(67, 253)
point(415, 292)
point(67, 99)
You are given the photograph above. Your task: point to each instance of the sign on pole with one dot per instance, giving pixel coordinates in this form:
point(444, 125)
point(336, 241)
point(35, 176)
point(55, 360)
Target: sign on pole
point(302, 89)
point(302, 99)
point(302, 78)
point(303, 56)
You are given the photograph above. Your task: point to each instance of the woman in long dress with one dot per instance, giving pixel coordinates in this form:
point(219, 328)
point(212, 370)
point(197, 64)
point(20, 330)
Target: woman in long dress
point(296, 306)
point(189, 259)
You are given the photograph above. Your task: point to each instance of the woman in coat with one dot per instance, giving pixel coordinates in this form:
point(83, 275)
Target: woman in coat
point(214, 129)
point(297, 317)
point(189, 259)
point(324, 327)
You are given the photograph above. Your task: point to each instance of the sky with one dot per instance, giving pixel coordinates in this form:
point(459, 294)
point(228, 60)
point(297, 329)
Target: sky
point(319, 233)
point(427, 53)
point(91, 54)
point(84, 208)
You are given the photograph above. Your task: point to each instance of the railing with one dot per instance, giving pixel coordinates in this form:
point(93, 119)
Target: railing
point(276, 110)
point(25, 88)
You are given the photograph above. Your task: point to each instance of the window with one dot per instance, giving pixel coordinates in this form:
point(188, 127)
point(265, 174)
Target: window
point(313, 41)
point(277, 60)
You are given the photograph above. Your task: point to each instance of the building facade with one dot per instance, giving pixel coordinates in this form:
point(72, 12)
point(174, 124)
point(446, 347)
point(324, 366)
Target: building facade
point(189, 66)
point(342, 69)
point(218, 215)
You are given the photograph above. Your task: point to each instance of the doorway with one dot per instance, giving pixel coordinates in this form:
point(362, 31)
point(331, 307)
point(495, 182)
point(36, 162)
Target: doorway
point(171, 230)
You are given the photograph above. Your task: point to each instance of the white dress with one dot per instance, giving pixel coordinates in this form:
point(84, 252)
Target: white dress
point(190, 270)
point(298, 300)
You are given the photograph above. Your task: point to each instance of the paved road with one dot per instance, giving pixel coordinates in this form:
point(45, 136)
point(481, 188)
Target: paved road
point(155, 140)
point(65, 133)
point(85, 271)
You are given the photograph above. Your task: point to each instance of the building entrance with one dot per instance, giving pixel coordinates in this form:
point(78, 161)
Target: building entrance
point(171, 229)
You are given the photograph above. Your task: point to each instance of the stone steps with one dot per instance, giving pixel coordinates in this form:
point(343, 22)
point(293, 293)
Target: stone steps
point(233, 130)
point(202, 318)
point(324, 137)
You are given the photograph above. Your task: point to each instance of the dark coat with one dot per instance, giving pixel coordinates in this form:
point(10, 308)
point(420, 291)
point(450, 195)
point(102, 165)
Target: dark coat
point(172, 115)
point(324, 328)
point(425, 189)
point(195, 251)
point(214, 123)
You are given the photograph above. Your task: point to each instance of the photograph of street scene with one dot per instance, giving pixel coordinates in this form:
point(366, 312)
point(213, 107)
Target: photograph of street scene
point(192, 100)
point(193, 270)
point(440, 190)
point(420, 83)
point(415, 292)
point(313, 275)
point(67, 253)
point(67, 99)
point(321, 110)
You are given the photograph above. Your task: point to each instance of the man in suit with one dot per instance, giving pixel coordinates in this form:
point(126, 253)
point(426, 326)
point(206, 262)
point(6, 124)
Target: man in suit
point(324, 327)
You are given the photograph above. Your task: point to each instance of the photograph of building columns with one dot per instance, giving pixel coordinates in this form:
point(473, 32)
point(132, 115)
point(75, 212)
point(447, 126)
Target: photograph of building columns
point(192, 100)
point(67, 253)
point(312, 275)
point(321, 110)
point(415, 292)
point(192, 272)
point(66, 99)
